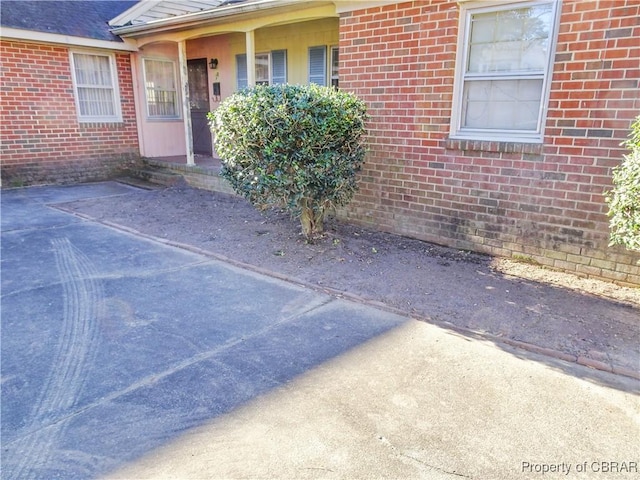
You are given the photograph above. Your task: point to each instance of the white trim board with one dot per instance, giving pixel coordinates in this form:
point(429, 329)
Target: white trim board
point(43, 37)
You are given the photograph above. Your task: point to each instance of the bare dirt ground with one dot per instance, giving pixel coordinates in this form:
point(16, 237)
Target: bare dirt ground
point(591, 321)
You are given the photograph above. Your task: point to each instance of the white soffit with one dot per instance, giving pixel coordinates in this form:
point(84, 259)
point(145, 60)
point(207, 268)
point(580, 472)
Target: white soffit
point(152, 10)
point(224, 9)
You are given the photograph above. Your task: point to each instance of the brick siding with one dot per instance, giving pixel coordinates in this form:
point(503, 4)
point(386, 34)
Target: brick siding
point(41, 138)
point(543, 201)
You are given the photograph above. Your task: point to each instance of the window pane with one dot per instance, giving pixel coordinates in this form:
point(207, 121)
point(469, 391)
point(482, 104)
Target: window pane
point(262, 69)
point(159, 74)
point(335, 62)
point(162, 103)
point(95, 102)
point(92, 69)
point(162, 96)
point(501, 104)
point(510, 40)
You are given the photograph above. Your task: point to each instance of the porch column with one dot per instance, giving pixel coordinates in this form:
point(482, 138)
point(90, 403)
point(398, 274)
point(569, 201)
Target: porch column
point(251, 58)
point(186, 109)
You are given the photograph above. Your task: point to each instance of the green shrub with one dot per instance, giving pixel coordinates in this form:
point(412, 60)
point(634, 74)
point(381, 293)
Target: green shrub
point(624, 198)
point(292, 146)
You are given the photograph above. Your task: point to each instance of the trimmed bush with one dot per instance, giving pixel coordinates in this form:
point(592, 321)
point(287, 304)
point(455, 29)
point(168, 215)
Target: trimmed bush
point(297, 147)
point(624, 198)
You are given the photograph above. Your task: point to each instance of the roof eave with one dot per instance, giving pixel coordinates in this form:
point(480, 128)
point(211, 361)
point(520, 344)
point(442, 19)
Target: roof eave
point(138, 9)
point(199, 17)
point(68, 40)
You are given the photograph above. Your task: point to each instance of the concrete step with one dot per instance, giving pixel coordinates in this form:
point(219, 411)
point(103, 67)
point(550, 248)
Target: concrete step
point(157, 176)
point(138, 182)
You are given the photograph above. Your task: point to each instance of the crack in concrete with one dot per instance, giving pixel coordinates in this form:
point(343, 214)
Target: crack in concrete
point(399, 452)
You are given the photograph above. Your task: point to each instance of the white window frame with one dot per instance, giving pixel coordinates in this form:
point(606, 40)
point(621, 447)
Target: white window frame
point(178, 110)
point(334, 77)
point(114, 87)
point(457, 130)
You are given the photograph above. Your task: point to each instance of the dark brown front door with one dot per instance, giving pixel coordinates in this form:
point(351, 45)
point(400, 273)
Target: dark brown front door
point(199, 103)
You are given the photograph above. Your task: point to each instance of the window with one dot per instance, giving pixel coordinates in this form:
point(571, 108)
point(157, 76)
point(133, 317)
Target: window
point(262, 69)
point(318, 65)
point(271, 68)
point(96, 87)
point(160, 85)
point(335, 63)
point(502, 75)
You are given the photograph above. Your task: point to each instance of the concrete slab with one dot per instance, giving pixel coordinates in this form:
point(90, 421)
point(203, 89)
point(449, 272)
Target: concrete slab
point(418, 402)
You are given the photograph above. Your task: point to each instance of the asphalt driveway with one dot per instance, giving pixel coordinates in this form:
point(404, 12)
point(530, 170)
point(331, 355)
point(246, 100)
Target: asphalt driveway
point(133, 359)
point(112, 344)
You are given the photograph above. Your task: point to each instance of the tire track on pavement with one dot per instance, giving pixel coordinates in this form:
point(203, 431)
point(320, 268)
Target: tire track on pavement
point(82, 298)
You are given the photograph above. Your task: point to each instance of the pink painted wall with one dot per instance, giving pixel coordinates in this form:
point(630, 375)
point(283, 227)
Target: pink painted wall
point(158, 138)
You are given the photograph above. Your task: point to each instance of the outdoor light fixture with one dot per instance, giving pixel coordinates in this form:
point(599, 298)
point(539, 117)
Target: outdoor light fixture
point(213, 63)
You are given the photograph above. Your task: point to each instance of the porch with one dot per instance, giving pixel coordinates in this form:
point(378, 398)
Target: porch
point(183, 73)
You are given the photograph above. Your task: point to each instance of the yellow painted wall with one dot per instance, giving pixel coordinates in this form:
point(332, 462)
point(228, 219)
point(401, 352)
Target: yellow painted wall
point(296, 39)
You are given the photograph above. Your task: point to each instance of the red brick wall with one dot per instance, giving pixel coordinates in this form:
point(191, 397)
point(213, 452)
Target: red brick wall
point(41, 138)
point(539, 201)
